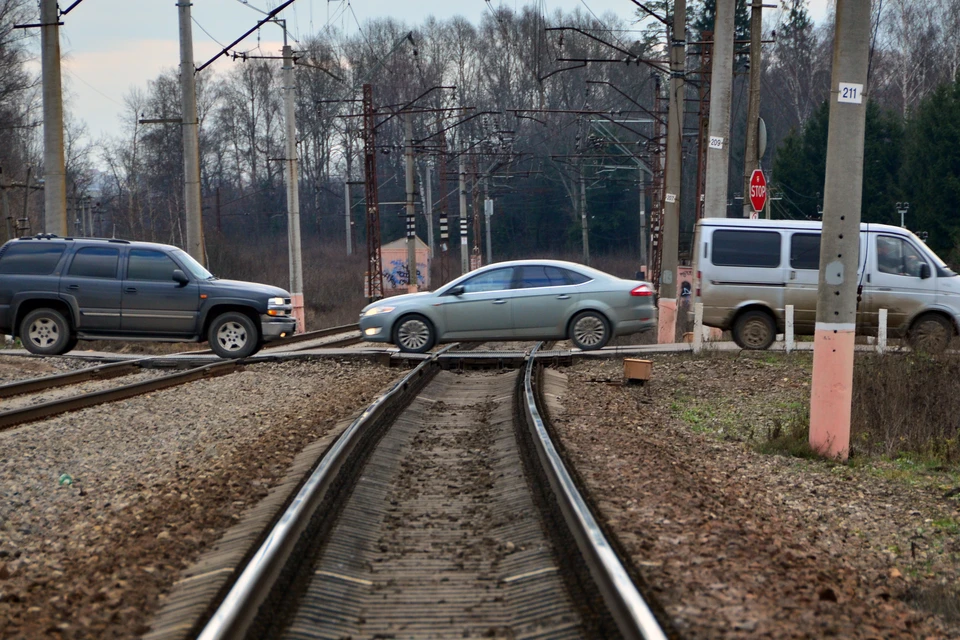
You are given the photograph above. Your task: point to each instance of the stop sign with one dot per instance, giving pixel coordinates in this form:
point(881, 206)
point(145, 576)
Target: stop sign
point(758, 190)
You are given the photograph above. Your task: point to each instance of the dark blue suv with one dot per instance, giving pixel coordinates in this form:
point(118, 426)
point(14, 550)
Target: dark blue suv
point(55, 291)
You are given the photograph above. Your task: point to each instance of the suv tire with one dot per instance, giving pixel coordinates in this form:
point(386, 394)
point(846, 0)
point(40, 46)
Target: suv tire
point(233, 335)
point(754, 330)
point(46, 332)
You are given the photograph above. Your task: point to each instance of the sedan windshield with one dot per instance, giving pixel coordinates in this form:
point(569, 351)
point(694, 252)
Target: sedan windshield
point(194, 267)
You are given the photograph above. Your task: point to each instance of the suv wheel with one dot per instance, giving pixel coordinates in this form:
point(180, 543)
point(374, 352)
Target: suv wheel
point(46, 332)
point(754, 330)
point(233, 335)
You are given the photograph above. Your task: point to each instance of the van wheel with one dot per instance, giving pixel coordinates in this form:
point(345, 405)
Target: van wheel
point(930, 333)
point(754, 330)
point(233, 335)
point(46, 332)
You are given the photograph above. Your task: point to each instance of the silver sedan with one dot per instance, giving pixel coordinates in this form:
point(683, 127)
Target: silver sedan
point(519, 300)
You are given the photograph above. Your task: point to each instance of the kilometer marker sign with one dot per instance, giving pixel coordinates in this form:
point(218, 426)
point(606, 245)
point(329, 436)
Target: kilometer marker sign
point(758, 190)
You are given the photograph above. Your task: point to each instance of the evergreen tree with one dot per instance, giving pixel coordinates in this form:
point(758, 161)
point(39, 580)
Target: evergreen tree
point(703, 15)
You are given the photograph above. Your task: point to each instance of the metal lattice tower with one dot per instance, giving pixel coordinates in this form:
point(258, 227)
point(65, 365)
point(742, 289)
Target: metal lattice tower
point(374, 258)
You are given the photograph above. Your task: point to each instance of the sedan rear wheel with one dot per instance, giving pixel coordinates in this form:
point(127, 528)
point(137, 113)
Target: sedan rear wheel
point(589, 330)
point(414, 334)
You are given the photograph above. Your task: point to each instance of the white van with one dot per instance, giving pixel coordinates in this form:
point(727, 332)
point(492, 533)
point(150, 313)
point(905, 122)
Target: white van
point(747, 271)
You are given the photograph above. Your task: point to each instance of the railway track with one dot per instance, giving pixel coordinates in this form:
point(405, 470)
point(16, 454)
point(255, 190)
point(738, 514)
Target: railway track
point(443, 510)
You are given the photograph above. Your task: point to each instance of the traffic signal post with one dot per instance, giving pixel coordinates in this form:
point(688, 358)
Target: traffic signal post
point(831, 391)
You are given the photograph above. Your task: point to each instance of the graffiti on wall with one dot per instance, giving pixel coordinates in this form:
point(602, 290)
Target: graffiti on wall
point(395, 274)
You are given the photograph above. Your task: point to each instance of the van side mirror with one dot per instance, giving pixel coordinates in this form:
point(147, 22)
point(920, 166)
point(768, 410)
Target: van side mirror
point(924, 270)
point(180, 277)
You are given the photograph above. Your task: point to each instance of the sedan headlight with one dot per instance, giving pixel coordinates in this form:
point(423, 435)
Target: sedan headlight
point(372, 311)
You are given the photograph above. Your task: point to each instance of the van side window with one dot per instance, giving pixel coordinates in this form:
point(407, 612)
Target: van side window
point(746, 248)
point(805, 251)
point(898, 257)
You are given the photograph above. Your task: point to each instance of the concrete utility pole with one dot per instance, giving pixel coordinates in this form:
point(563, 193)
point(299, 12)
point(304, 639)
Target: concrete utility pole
point(643, 222)
point(346, 197)
point(670, 234)
point(191, 140)
point(54, 165)
point(464, 250)
point(428, 208)
point(751, 156)
point(831, 390)
point(584, 231)
point(721, 92)
point(411, 213)
point(293, 186)
point(488, 215)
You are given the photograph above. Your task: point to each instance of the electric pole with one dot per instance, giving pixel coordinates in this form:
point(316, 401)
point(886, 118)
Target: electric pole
point(721, 91)
point(751, 156)
point(670, 233)
point(464, 250)
point(293, 187)
point(54, 165)
point(831, 390)
point(428, 208)
point(488, 214)
point(584, 233)
point(191, 141)
point(346, 197)
point(643, 221)
point(411, 214)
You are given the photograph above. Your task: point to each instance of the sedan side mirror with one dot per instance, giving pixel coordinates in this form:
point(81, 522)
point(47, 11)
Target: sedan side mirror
point(924, 270)
point(456, 291)
point(180, 277)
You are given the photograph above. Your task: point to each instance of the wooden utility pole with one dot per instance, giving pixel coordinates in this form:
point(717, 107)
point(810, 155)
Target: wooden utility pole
point(831, 391)
point(670, 238)
point(751, 156)
point(721, 92)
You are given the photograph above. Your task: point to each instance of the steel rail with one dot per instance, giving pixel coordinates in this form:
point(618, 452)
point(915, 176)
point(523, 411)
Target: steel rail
point(630, 611)
point(295, 338)
point(239, 608)
point(102, 372)
point(56, 407)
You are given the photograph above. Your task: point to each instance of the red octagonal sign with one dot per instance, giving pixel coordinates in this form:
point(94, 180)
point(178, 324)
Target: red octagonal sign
point(758, 190)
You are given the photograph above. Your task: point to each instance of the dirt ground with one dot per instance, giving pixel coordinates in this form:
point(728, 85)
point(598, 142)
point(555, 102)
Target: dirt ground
point(740, 544)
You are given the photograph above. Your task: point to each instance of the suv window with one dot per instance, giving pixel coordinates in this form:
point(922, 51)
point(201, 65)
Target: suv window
point(31, 258)
point(95, 262)
point(531, 276)
point(746, 248)
point(805, 251)
point(495, 280)
point(150, 265)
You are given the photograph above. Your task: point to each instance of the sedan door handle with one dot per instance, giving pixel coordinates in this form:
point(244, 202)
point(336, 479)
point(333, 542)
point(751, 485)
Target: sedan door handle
point(499, 302)
point(73, 287)
point(563, 297)
point(130, 290)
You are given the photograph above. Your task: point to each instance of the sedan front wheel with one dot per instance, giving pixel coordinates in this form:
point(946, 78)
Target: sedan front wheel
point(414, 334)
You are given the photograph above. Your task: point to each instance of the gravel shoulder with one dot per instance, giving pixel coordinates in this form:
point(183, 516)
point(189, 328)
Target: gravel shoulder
point(738, 544)
point(101, 509)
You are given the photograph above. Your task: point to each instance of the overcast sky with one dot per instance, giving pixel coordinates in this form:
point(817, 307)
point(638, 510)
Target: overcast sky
point(112, 46)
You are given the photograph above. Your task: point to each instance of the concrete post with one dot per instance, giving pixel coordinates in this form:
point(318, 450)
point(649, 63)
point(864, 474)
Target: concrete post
point(428, 208)
point(347, 217)
point(293, 187)
point(411, 214)
point(643, 222)
point(670, 233)
point(721, 92)
point(54, 164)
point(788, 334)
point(697, 327)
point(882, 332)
point(191, 141)
point(464, 251)
point(751, 158)
point(831, 390)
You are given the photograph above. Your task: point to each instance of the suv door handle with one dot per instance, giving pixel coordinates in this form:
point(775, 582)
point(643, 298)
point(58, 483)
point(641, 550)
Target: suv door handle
point(73, 287)
point(130, 290)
